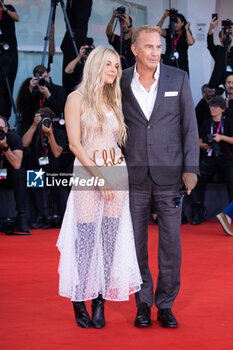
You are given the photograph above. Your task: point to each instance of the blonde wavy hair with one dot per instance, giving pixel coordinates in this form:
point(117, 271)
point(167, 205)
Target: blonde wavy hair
point(92, 89)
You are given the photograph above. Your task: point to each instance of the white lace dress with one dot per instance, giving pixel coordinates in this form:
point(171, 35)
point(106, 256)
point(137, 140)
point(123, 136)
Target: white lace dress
point(96, 240)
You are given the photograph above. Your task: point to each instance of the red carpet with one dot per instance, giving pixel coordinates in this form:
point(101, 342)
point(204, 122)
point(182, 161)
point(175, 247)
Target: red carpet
point(34, 317)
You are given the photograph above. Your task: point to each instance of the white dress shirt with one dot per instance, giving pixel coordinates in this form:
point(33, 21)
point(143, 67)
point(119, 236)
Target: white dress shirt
point(145, 99)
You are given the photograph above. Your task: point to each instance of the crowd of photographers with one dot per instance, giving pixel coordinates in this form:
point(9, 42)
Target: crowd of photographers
point(41, 142)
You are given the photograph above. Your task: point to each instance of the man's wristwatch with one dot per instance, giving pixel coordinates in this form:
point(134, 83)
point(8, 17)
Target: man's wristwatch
point(5, 149)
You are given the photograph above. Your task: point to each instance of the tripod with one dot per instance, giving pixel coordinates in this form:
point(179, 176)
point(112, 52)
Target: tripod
point(226, 44)
point(52, 15)
point(120, 19)
point(5, 46)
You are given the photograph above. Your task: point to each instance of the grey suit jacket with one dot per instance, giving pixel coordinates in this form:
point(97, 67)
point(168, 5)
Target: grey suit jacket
point(167, 145)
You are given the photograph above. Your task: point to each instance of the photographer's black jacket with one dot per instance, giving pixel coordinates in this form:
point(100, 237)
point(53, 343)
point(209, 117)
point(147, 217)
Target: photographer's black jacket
point(30, 103)
point(182, 49)
point(202, 112)
point(7, 25)
point(35, 149)
point(126, 51)
point(225, 147)
point(218, 54)
point(229, 110)
point(14, 142)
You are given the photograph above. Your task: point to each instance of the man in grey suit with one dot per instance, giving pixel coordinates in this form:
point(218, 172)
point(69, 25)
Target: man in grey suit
point(162, 154)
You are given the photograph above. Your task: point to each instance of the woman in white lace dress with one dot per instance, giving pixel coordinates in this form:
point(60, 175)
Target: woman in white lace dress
point(98, 259)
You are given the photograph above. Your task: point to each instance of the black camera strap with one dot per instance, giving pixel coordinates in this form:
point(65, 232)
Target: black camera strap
point(222, 133)
point(44, 143)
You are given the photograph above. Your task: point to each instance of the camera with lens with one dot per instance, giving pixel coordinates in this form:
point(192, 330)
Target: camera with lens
point(89, 43)
point(7, 225)
point(226, 24)
point(46, 120)
point(41, 80)
point(2, 134)
point(209, 139)
point(219, 91)
point(88, 50)
point(173, 15)
point(120, 10)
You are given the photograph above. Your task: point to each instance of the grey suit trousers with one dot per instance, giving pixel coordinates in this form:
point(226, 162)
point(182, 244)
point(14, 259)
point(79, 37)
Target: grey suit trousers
point(169, 249)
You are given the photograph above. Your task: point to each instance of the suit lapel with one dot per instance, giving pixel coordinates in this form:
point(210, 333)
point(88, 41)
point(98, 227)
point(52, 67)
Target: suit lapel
point(128, 94)
point(162, 85)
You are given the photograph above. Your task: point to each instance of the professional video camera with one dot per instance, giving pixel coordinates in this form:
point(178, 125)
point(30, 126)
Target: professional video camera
point(2, 134)
point(209, 139)
point(173, 13)
point(120, 11)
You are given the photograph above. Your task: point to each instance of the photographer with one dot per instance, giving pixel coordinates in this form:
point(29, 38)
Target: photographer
point(202, 109)
point(46, 141)
point(8, 55)
point(216, 139)
point(12, 174)
point(219, 52)
point(128, 58)
point(182, 40)
point(74, 70)
point(38, 92)
point(229, 95)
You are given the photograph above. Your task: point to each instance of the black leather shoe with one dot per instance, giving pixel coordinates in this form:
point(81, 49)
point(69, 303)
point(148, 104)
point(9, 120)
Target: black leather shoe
point(167, 319)
point(143, 316)
point(41, 222)
point(97, 305)
point(22, 225)
point(81, 315)
point(56, 221)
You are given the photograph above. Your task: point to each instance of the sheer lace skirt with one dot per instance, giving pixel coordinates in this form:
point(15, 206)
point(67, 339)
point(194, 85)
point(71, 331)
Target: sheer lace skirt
point(97, 248)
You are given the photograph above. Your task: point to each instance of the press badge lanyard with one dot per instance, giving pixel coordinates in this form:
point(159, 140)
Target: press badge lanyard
point(42, 100)
point(0, 20)
point(220, 126)
point(44, 160)
point(176, 40)
point(3, 172)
